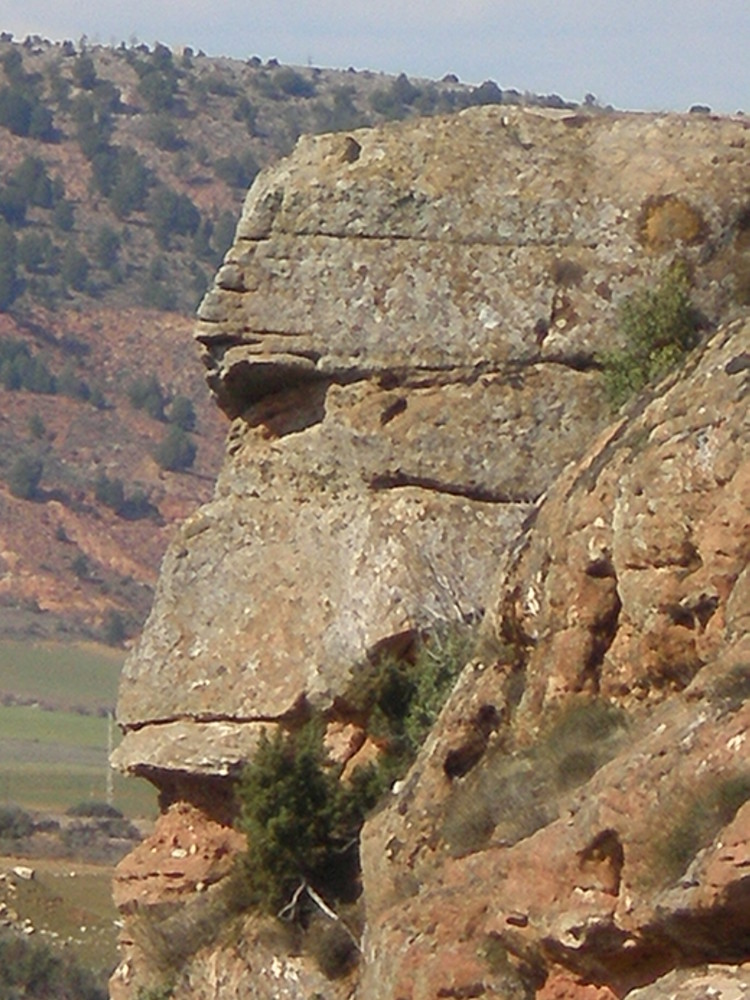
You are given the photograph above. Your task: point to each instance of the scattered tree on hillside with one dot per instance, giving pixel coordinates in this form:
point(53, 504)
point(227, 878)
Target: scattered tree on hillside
point(238, 172)
point(24, 476)
point(182, 413)
point(131, 183)
point(37, 427)
point(33, 181)
point(106, 247)
point(176, 453)
point(158, 290)
point(80, 565)
point(20, 369)
point(245, 112)
point(93, 125)
point(70, 384)
point(37, 253)
point(84, 72)
point(63, 216)
point(12, 64)
point(172, 214)
point(146, 394)
point(74, 268)
point(114, 629)
point(164, 134)
point(292, 83)
point(9, 286)
point(13, 205)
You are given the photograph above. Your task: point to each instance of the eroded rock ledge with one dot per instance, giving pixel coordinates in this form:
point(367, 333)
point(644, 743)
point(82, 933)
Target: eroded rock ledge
point(405, 335)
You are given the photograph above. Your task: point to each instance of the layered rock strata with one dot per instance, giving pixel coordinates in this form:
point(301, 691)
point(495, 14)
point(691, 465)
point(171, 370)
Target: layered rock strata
point(406, 335)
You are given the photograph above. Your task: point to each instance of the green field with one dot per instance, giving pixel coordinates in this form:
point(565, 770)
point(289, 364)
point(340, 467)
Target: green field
point(63, 676)
point(52, 758)
point(55, 736)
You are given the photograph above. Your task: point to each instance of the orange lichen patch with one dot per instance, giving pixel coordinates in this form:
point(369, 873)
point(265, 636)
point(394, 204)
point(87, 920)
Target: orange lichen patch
point(667, 220)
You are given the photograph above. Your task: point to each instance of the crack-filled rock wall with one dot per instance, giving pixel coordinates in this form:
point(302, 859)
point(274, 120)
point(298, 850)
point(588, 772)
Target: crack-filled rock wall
point(609, 811)
point(406, 332)
point(406, 335)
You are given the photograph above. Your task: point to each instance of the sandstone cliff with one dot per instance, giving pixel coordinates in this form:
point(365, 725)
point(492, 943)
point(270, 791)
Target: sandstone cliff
point(406, 336)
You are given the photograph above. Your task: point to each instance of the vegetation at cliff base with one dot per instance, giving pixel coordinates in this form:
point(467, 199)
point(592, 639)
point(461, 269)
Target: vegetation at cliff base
point(658, 327)
point(31, 969)
point(301, 820)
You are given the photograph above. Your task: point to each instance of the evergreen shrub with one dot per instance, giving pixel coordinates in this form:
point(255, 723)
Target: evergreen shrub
point(658, 326)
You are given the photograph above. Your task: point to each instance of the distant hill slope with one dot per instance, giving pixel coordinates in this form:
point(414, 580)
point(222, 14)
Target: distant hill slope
point(86, 505)
point(124, 169)
point(123, 173)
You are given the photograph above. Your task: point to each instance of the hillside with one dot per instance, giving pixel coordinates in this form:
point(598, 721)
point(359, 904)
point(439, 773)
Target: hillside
point(123, 174)
point(137, 159)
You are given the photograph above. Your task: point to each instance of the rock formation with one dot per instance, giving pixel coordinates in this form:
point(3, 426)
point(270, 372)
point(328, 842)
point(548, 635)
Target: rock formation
point(608, 814)
point(406, 336)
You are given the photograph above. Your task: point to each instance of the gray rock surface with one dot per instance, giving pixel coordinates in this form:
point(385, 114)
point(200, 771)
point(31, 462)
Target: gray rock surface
point(407, 343)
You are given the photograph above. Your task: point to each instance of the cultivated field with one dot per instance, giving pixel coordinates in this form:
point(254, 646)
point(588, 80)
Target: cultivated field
point(55, 731)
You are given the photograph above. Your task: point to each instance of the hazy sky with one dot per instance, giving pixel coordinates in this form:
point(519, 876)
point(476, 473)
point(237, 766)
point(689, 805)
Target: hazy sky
point(649, 54)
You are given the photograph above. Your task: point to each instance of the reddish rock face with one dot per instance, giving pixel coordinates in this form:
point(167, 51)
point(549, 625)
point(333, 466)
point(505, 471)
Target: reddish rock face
point(601, 838)
point(408, 343)
point(187, 852)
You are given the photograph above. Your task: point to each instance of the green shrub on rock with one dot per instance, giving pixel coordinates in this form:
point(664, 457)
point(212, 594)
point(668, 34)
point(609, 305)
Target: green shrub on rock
point(658, 326)
point(302, 822)
point(288, 801)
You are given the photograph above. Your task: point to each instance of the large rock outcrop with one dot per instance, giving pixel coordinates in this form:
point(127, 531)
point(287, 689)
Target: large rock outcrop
point(406, 336)
point(609, 810)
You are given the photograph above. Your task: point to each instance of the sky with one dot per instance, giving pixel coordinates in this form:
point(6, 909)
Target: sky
point(655, 55)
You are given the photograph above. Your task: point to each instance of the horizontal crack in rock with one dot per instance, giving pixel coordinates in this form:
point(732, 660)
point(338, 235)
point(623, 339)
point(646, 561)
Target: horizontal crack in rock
point(201, 719)
point(480, 494)
point(439, 238)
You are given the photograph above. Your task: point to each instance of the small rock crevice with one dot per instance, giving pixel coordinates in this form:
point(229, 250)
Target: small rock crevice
point(398, 479)
point(601, 863)
point(602, 634)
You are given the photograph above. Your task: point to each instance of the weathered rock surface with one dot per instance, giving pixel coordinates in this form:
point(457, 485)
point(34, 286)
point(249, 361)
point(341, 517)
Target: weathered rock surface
point(612, 856)
point(405, 335)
